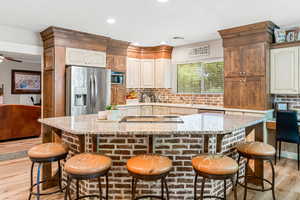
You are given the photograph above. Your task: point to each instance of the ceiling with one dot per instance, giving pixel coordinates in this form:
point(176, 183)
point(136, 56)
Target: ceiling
point(25, 58)
point(147, 21)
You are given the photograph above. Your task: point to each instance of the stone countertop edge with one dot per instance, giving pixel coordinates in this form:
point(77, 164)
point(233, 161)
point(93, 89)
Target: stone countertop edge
point(197, 106)
point(144, 133)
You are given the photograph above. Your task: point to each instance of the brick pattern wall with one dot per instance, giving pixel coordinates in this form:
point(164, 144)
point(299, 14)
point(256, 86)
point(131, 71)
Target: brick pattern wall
point(293, 100)
point(181, 148)
point(167, 96)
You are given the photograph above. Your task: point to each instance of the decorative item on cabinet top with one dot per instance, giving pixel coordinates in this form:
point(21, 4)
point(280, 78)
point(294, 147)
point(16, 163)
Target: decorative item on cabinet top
point(82, 57)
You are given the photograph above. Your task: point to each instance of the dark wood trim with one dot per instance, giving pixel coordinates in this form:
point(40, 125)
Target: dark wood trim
point(163, 51)
point(19, 91)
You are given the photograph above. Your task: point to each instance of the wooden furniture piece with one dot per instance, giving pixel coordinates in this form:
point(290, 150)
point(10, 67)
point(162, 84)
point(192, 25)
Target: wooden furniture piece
point(287, 131)
point(285, 70)
point(149, 67)
point(87, 166)
point(216, 167)
point(116, 60)
point(256, 151)
point(45, 153)
point(149, 168)
point(13, 118)
point(246, 65)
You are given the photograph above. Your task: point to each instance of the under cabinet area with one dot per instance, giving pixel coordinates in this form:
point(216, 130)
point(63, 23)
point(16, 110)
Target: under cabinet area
point(285, 70)
point(148, 73)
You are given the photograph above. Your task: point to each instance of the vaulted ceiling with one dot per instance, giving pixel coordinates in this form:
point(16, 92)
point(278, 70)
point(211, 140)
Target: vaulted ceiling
point(147, 21)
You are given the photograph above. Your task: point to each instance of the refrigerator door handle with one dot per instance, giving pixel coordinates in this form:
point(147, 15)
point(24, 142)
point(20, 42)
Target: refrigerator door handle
point(96, 87)
point(92, 93)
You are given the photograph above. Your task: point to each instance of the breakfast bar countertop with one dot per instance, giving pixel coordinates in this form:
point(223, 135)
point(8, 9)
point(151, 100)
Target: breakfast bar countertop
point(205, 123)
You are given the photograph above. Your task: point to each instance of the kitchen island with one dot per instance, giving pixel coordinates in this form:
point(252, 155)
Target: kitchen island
point(197, 133)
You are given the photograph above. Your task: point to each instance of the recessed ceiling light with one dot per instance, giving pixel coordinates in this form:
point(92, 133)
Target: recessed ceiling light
point(111, 21)
point(162, 1)
point(163, 42)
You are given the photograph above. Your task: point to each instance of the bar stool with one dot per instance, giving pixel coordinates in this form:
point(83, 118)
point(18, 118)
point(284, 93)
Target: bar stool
point(87, 166)
point(45, 153)
point(260, 151)
point(216, 167)
point(149, 168)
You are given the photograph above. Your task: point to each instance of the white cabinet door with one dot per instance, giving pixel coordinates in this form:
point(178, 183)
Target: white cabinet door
point(163, 73)
point(146, 110)
point(133, 79)
point(147, 73)
point(84, 57)
point(132, 111)
point(285, 71)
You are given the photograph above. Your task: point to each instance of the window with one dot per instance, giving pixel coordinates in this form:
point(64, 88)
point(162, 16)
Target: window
point(200, 77)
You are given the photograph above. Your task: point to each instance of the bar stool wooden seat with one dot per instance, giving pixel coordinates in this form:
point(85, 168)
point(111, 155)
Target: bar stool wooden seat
point(261, 151)
point(149, 168)
point(216, 167)
point(87, 166)
point(45, 153)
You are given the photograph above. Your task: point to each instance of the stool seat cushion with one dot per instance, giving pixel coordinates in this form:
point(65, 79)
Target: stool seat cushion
point(256, 149)
point(87, 164)
point(149, 165)
point(215, 164)
point(47, 150)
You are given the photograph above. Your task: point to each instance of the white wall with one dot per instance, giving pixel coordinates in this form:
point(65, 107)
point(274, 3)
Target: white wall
point(5, 78)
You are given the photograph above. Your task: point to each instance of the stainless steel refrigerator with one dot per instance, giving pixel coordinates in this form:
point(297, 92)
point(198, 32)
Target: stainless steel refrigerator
point(87, 90)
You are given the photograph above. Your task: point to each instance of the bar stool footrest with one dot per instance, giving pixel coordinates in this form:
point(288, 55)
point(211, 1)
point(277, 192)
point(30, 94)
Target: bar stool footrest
point(149, 196)
point(43, 194)
point(215, 197)
point(90, 196)
point(256, 189)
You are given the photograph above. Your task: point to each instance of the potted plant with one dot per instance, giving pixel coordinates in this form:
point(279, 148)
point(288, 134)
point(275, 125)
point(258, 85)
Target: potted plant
point(112, 112)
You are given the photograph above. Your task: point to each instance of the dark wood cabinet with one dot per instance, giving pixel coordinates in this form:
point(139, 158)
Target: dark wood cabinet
point(118, 95)
point(246, 66)
point(117, 63)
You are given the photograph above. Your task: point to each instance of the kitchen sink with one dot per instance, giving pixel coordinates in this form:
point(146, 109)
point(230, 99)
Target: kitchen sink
point(151, 119)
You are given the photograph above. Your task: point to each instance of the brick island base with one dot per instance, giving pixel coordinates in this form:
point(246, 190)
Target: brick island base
point(179, 147)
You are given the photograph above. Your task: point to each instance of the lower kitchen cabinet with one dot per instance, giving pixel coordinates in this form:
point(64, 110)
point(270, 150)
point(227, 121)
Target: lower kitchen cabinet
point(245, 92)
point(183, 111)
point(118, 95)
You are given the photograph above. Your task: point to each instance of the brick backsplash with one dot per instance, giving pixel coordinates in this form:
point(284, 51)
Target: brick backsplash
point(167, 96)
point(293, 100)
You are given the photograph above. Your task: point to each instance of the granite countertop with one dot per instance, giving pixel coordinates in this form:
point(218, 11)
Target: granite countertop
point(198, 106)
point(206, 123)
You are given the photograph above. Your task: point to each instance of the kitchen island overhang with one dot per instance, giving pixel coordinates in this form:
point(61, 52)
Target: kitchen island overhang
point(200, 133)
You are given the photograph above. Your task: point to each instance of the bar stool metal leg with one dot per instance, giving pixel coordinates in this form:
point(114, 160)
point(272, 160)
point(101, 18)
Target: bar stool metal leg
point(133, 188)
point(162, 188)
point(195, 187)
point(202, 188)
point(246, 181)
point(31, 181)
point(38, 180)
point(225, 188)
point(273, 179)
point(107, 185)
point(59, 176)
point(100, 187)
point(167, 189)
point(237, 173)
point(234, 188)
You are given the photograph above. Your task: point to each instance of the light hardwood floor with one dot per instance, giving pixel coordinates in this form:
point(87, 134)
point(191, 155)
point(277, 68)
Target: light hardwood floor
point(14, 182)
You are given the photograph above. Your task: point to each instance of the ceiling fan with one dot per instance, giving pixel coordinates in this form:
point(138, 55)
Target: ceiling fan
point(2, 58)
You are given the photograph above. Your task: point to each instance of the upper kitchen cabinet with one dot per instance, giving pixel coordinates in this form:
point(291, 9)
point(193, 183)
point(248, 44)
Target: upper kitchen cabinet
point(232, 56)
point(83, 57)
point(149, 67)
point(246, 65)
point(133, 72)
point(147, 73)
point(162, 73)
point(285, 71)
